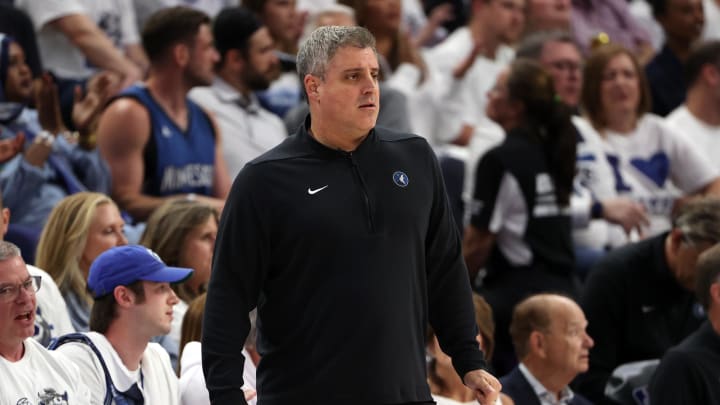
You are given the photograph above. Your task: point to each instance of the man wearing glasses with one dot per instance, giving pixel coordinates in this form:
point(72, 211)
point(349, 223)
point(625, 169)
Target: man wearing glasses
point(688, 373)
point(30, 372)
point(639, 299)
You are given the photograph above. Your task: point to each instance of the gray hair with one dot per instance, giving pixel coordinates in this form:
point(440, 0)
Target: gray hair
point(699, 220)
point(322, 44)
point(8, 251)
point(531, 47)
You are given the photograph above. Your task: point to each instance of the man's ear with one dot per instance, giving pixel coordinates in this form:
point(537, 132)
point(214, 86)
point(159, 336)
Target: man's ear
point(676, 239)
point(123, 296)
point(715, 294)
point(711, 74)
point(181, 54)
point(235, 59)
point(536, 344)
point(5, 218)
point(312, 84)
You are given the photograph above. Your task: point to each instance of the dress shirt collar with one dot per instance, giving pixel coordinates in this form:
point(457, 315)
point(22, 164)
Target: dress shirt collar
point(228, 94)
point(546, 397)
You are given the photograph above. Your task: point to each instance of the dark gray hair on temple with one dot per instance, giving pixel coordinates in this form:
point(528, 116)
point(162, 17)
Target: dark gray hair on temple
point(699, 220)
point(322, 44)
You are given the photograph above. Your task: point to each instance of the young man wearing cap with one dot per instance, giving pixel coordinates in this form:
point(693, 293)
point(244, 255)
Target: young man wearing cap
point(133, 303)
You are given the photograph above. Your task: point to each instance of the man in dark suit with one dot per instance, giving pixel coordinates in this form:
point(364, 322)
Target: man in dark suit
point(553, 347)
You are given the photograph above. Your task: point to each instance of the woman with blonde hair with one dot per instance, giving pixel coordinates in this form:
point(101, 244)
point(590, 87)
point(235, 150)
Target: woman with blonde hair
point(78, 229)
point(182, 233)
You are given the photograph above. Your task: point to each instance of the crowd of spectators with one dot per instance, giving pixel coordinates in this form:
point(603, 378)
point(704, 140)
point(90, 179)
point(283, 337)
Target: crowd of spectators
point(578, 141)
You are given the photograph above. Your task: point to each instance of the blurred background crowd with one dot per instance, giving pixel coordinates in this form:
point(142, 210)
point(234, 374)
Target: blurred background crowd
point(577, 138)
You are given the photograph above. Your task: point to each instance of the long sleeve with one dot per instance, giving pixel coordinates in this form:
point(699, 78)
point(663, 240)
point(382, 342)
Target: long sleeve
point(451, 311)
point(603, 305)
point(239, 266)
point(88, 166)
point(677, 381)
point(20, 181)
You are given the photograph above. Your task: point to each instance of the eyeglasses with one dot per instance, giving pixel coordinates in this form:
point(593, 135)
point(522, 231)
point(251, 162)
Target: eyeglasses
point(9, 292)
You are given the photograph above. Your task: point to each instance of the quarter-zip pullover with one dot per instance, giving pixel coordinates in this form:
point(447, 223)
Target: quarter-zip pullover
point(347, 256)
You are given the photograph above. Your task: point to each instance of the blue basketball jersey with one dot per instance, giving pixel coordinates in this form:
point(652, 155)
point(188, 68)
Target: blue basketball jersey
point(176, 161)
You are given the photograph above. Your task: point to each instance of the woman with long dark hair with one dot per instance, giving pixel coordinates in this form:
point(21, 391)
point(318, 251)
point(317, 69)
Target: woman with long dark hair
point(520, 224)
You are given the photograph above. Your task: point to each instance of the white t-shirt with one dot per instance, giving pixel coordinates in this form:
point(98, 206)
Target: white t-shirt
point(712, 20)
point(192, 379)
point(705, 137)
point(41, 375)
point(116, 18)
point(155, 377)
point(51, 316)
point(246, 132)
point(470, 92)
point(653, 165)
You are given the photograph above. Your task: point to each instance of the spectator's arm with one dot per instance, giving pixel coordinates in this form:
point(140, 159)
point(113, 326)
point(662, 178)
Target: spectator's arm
point(19, 180)
point(96, 46)
point(438, 16)
point(135, 53)
point(713, 188)
point(221, 181)
point(123, 132)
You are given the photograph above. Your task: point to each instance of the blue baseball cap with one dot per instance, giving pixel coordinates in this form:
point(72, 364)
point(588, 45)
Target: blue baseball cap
point(124, 265)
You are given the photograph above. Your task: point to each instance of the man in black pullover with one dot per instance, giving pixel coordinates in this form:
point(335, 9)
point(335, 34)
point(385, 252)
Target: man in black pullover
point(343, 238)
point(639, 300)
point(689, 372)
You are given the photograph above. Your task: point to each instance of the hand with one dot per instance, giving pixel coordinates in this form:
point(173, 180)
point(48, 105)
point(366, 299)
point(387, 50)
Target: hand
point(39, 150)
point(87, 107)
point(249, 393)
point(466, 133)
point(9, 148)
point(440, 15)
point(131, 74)
point(485, 385)
point(47, 103)
point(626, 213)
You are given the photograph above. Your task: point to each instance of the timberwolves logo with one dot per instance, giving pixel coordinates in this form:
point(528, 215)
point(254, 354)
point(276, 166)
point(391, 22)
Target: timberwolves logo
point(401, 179)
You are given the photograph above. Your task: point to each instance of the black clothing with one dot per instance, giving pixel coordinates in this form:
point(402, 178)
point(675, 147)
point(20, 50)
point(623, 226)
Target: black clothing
point(689, 373)
point(347, 257)
point(517, 387)
point(666, 78)
point(636, 310)
point(18, 25)
point(547, 229)
point(513, 179)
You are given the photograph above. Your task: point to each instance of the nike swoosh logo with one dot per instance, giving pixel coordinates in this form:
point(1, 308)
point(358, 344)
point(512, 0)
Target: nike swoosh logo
point(317, 190)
